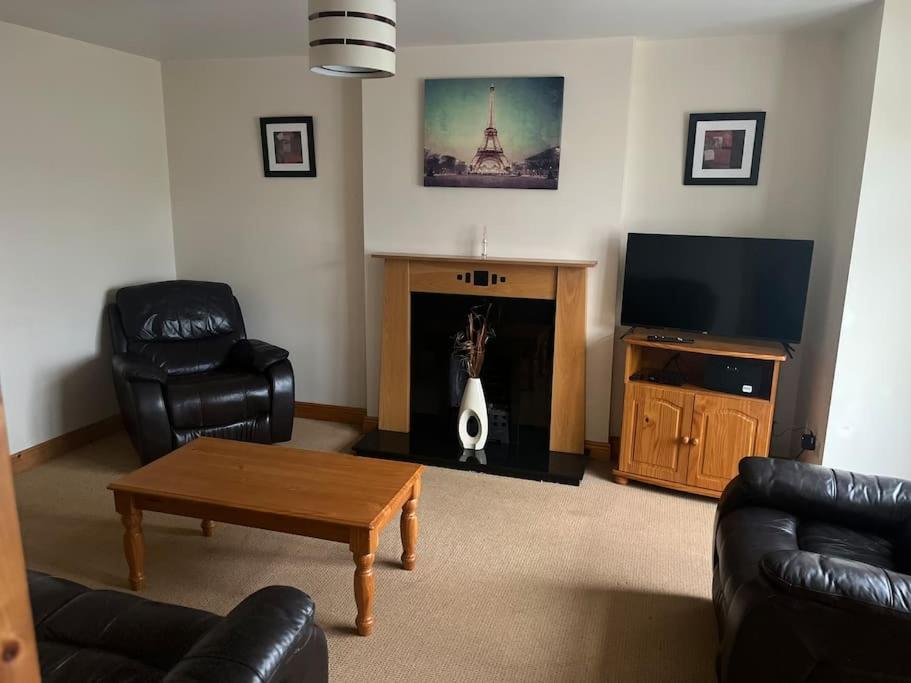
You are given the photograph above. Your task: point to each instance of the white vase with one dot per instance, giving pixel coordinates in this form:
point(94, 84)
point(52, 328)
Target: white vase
point(473, 405)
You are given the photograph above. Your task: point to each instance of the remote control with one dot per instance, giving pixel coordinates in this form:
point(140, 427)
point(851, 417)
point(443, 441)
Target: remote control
point(668, 339)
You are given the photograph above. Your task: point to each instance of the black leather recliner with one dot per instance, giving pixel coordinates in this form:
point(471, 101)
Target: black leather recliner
point(183, 368)
point(110, 637)
point(812, 575)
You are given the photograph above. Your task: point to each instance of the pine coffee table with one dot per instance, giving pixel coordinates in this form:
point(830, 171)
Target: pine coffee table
point(343, 498)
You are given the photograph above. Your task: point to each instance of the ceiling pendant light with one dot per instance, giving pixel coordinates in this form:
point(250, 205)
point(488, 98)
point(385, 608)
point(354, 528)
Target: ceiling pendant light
point(352, 38)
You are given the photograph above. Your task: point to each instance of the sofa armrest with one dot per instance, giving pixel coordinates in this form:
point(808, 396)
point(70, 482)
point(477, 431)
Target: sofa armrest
point(281, 382)
point(817, 492)
point(256, 355)
point(838, 582)
point(131, 367)
point(254, 642)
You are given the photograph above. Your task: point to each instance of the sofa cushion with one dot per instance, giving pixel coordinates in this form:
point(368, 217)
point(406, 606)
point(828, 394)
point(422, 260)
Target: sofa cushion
point(179, 326)
point(254, 430)
point(110, 637)
point(745, 536)
point(178, 310)
point(155, 633)
point(48, 594)
point(880, 504)
point(65, 663)
point(186, 357)
point(82, 630)
point(833, 540)
point(216, 398)
point(839, 583)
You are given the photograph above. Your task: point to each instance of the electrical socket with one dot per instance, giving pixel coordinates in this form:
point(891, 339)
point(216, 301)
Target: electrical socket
point(808, 441)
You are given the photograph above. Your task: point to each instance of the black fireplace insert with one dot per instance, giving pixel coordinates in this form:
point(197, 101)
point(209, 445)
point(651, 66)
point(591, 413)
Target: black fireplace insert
point(517, 378)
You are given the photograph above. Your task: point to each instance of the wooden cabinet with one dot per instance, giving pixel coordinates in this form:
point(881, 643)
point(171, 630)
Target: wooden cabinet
point(690, 438)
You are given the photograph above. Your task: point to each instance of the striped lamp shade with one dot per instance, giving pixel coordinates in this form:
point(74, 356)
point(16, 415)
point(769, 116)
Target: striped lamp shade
point(352, 38)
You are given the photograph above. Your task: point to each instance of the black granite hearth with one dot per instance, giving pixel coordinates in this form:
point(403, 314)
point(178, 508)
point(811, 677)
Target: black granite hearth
point(538, 464)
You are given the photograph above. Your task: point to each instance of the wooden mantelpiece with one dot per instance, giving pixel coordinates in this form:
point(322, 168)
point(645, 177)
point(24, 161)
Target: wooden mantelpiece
point(398, 256)
point(561, 281)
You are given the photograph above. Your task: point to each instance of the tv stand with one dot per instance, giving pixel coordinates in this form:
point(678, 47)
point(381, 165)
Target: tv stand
point(690, 438)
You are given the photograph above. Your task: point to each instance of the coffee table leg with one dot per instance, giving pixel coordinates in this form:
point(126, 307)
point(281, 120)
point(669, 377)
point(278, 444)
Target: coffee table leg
point(133, 543)
point(409, 524)
point(208, 527)
point(363, 547)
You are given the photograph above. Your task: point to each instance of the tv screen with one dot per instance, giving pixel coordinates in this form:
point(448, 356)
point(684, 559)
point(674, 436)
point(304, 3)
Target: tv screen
point(727, 286)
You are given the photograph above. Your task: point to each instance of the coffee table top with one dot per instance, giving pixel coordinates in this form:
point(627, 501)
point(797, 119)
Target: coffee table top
point(328, 487)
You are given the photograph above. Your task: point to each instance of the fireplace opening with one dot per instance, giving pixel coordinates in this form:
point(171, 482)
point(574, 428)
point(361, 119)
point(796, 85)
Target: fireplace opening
point(516, 375)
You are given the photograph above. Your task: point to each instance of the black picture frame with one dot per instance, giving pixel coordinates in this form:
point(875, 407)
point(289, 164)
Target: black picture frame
point(695, 119)
point(307, 121)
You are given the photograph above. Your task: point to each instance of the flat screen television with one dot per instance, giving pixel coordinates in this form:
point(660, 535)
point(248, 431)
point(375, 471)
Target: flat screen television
point(727, 286)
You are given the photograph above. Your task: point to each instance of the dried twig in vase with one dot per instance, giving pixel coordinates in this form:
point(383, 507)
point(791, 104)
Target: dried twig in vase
point(471, 344)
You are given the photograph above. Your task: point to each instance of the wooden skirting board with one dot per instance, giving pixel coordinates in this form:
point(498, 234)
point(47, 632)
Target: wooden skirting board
point(598, 450)
point(52, 448)
point(330, 413)
point(48, 450)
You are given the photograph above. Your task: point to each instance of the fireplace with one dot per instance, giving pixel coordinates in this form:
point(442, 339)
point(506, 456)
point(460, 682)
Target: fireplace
point(533, 376)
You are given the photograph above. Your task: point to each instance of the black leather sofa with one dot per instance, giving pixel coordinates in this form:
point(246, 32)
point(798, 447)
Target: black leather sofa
point(811, 575)
point(183, 368)
point(110, 637)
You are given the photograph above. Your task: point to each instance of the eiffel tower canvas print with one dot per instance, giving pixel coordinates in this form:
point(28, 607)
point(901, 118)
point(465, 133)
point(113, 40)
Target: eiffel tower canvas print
point(493, 132)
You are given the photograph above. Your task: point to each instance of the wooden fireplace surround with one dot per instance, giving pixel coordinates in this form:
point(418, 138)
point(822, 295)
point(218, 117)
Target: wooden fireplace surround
point(561, 281)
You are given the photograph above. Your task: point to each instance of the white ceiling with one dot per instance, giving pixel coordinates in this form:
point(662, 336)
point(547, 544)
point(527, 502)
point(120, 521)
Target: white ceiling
point(189, 29)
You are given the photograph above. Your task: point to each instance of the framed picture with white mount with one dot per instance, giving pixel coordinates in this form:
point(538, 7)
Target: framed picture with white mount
point(288, 147)
point(724, 149)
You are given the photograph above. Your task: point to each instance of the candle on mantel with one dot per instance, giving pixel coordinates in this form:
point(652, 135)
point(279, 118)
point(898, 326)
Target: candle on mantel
point(484, 243)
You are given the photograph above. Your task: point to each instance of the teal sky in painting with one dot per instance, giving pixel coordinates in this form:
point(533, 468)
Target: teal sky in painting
point(528, 115)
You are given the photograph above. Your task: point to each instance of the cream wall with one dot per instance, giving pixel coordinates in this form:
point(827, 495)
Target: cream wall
point(869, 429)
point(291, 248)
point(857, 70)
point(786, 75)
point(579, 220)
point(84, 209)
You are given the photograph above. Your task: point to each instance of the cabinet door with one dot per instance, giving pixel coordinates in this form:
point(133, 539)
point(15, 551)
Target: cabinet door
point(656, 425)
point(724, 431)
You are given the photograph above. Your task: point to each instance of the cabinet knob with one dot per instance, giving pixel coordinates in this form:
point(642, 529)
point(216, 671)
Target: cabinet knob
point(685, 440)
point(695, 441)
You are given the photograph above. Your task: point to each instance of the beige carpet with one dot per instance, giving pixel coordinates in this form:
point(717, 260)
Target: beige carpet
point(516, 580)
